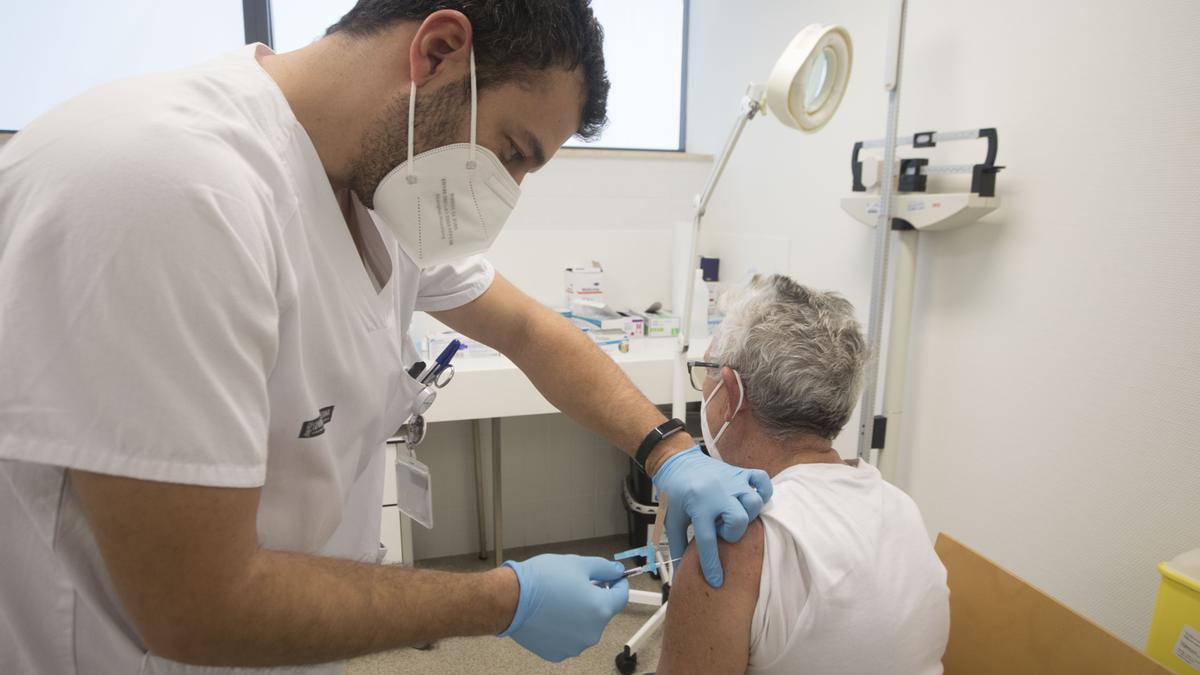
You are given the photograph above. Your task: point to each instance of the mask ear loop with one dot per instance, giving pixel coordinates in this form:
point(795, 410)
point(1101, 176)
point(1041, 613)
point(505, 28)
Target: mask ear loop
point(713, 393)
point(741, 396)
point(741, 392)
point(412, 109)
point(474, 111)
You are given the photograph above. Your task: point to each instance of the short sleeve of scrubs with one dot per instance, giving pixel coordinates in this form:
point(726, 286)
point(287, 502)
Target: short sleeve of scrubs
point(454, 284)
point(139, 316)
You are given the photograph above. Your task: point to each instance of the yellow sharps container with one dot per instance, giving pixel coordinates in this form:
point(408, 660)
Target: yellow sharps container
point(1175, 631)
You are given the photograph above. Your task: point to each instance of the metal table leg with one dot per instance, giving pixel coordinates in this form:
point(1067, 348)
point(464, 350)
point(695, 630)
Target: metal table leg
point(406, 540)
point(476, 429)
point(497, 516)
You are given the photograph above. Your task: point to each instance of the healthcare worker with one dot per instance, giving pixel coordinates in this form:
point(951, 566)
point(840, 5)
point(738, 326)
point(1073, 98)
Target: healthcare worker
point(206, 283)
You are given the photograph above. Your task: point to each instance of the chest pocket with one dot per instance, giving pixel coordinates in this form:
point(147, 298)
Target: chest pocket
point(400, 406)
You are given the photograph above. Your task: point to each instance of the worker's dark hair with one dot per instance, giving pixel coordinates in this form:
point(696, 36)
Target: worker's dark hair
point(513, 39)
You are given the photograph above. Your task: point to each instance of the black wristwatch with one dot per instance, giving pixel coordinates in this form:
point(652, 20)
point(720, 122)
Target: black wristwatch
point(656, 435)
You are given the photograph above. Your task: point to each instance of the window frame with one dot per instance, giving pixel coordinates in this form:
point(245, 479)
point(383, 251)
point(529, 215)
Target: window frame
point(256, 19)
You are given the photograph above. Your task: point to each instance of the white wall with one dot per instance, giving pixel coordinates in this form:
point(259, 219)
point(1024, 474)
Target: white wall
point(1054, 364)
point(618, 210)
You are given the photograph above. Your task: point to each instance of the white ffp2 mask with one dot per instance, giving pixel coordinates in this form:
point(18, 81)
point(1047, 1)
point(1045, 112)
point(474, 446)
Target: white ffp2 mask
point(710, 441)
point(449, 202)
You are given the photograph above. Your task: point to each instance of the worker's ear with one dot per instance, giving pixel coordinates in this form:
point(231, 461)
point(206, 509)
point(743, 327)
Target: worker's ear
point(733, 390)
point(441, 47)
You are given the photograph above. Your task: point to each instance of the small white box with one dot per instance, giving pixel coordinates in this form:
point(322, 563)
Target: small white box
point(635, 326)
point(596, 314)
point(585, 282)
point(610, 340)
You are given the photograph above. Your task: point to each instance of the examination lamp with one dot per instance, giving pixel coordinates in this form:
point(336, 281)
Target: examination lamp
point(804, 91)
point(809, 79)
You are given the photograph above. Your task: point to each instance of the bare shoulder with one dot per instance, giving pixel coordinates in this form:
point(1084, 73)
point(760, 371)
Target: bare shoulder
point(741, 561)
point(708, 629)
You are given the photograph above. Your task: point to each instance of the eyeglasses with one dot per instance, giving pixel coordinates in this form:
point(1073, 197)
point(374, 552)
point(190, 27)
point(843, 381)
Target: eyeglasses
point(698, 372)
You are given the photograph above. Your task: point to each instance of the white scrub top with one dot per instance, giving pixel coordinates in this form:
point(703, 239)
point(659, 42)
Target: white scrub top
point(181, 301)
point(850, 582)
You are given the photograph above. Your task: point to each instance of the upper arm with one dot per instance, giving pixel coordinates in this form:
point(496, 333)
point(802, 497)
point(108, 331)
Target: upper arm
point(140, 327)
point(499, 317)
point(178, 555)
point(708, 629)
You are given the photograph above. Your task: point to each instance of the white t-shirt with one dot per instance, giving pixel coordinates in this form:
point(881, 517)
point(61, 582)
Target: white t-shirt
point(181, 301)
point(850, 583)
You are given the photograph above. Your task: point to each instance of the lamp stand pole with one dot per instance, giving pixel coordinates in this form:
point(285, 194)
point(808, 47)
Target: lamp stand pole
point(867, 436)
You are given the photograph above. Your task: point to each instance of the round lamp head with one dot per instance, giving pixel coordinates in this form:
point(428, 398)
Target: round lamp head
point(810, 77)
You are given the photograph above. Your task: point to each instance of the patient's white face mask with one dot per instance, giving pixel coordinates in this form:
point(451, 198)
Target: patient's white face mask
point(710, 441)
point(449, 202)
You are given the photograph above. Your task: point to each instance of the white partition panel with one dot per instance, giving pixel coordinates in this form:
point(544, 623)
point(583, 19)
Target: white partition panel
point(53, 50)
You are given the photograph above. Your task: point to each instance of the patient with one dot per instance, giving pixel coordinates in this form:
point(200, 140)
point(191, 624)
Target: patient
point(838, 575)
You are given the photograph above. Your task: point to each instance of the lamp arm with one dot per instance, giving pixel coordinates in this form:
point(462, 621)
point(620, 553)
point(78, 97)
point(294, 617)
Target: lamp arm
point(752, 104)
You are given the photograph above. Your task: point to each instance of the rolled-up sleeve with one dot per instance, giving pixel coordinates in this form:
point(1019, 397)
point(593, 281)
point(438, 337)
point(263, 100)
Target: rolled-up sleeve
point(454, 284)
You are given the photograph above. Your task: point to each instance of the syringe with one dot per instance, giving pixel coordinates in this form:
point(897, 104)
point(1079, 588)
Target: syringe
point(634, 571)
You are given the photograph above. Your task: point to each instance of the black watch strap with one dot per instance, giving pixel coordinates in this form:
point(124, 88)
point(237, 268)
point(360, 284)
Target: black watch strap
point(656, 435)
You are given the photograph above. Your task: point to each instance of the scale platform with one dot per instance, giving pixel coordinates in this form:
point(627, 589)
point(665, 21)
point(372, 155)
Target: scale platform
point(922, 211)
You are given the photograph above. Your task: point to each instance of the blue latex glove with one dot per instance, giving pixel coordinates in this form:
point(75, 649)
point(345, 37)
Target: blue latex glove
point(702, 490)
point(561, 612)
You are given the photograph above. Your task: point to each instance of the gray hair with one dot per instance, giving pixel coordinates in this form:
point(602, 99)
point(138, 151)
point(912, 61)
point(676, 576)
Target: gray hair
point(799, 352)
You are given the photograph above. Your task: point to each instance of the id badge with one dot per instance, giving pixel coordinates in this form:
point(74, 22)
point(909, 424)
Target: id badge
point(414, 494)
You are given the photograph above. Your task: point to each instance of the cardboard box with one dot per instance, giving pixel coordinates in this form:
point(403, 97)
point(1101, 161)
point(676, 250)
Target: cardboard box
point(658, 324)
point(610, 340)
point(598, 316)
point(584, 282)
point(634, 325)
point(1001, 625)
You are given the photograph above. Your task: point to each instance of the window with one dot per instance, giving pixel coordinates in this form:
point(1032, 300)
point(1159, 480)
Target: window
point(68, 46)
point(644, 43)
point(52, 51)
point(296, 23)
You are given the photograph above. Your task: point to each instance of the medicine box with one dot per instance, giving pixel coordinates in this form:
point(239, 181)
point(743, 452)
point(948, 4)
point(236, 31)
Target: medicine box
point(658, 324)
point(585, 281)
